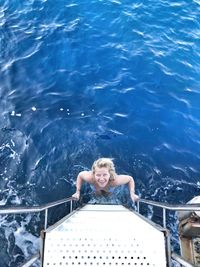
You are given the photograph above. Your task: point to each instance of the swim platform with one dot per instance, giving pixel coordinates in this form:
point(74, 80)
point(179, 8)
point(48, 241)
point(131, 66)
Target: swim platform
point(104, 235)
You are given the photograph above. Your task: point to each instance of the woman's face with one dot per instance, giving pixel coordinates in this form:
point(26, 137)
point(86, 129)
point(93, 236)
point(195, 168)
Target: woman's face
point(101, 176)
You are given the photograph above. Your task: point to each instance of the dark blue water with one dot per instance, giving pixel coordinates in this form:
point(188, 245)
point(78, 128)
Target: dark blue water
point(84, 79)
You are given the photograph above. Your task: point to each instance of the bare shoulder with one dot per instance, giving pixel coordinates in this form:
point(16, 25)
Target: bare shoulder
point(86, 176)
point(122, 179)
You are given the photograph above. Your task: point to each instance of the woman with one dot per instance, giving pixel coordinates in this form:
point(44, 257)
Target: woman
point(103, 179)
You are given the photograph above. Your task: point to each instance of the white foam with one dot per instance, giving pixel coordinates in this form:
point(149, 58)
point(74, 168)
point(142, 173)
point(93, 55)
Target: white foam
point(26, 241)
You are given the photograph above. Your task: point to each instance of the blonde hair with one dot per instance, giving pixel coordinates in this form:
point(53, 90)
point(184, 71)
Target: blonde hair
point(105, 163)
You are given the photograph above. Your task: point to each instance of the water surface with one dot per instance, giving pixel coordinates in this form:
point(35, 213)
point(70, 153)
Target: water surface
point(85, 79)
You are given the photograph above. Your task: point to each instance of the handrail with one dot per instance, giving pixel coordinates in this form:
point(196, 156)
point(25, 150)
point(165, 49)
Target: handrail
point(18, 210)
point(182, 261)
point(30, 261)
point(171, 207)
point(175, 207)
point(14, 210)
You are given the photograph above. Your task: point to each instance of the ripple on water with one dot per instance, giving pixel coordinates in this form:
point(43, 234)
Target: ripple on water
point(84, 79)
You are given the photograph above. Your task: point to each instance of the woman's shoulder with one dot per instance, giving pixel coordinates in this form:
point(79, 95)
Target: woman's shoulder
point(121, 179)
point(86, 175)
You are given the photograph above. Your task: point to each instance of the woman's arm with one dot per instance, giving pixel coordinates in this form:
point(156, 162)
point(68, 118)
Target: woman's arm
point(82, 176)
point(79, 182)
point(126, 179)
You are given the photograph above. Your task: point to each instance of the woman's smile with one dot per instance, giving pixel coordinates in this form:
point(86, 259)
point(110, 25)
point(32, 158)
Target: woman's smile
point(101, 176)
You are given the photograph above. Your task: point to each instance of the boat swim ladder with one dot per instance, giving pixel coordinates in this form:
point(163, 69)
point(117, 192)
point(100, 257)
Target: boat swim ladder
point(105, 235)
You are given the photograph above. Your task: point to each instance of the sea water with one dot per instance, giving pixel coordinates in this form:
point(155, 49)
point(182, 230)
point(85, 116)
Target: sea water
point(84, 79)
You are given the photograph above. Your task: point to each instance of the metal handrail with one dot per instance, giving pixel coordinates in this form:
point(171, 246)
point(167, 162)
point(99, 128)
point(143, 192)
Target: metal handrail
point(174, 207)
point(32, 260)
point(45, 207)
point(171, 207)
point(182, 261)
point(15, 210)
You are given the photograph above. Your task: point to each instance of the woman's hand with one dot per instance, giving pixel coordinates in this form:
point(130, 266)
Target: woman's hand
point(134, 197)
point(76, 195)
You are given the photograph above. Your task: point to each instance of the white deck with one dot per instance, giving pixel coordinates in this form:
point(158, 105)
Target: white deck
point(104, 235)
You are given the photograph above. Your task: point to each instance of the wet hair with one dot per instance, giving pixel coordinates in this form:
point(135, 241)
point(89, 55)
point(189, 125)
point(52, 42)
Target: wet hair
point(105, 163)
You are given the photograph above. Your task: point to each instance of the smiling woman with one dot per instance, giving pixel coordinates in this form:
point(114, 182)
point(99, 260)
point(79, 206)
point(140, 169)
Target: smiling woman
point(103, 178)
